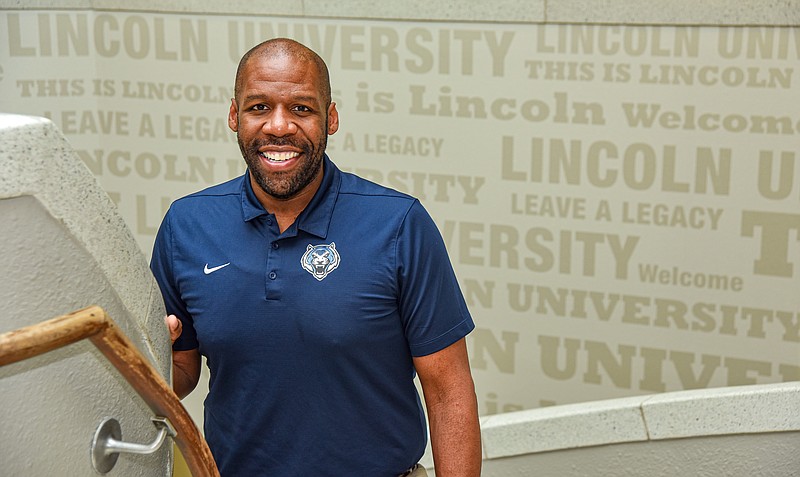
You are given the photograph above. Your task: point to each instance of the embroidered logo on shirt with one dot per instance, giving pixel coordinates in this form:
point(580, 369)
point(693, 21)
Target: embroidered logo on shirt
point(207, 270)
point(320, 260)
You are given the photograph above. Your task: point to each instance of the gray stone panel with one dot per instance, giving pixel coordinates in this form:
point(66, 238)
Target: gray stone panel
point(675, 12)
point(452, 10)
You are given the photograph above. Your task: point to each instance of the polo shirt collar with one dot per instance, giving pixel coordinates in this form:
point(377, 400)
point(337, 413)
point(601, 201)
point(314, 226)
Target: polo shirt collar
point(251, 207)
point(316, 217)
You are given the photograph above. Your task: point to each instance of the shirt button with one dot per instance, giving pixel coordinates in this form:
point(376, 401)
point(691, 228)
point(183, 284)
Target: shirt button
point(275, 245)
point(269, 221)
point(273, 275)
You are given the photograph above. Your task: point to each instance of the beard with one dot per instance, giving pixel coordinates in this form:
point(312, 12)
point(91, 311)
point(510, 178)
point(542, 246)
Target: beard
point(283, 185)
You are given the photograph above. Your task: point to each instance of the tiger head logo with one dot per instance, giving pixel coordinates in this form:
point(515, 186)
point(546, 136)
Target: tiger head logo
point(320, 260)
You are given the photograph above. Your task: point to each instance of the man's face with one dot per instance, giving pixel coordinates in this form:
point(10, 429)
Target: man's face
point(282, 123)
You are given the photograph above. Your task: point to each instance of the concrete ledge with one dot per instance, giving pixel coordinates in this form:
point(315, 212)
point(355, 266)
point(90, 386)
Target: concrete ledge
point(721, 411)
point(550, 428)
point(756, 409)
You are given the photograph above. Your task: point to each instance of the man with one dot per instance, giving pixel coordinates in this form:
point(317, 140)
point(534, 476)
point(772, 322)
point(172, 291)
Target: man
point(315, 296)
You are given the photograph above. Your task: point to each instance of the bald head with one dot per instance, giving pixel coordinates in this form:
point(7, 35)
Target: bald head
point(286, 48)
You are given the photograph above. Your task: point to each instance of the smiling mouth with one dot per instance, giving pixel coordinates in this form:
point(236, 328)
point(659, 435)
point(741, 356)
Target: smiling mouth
point(272, 156)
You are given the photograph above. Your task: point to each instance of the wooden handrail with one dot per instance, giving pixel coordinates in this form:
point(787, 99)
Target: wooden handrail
point(93, 323)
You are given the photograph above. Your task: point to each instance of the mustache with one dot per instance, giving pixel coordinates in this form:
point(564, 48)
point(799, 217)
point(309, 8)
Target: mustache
point(279, 141)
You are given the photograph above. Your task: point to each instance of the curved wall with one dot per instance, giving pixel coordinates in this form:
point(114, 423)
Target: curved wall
point(64, 248)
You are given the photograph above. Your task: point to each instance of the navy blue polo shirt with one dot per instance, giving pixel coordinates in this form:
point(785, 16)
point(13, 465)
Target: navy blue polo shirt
point(309, 334)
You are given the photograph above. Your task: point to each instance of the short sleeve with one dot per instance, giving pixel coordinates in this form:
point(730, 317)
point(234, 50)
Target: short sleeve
point(431, 304)
point(162, 266)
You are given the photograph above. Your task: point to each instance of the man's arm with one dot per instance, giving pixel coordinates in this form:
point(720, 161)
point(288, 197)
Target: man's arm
point(185, 364)
point(452, 411)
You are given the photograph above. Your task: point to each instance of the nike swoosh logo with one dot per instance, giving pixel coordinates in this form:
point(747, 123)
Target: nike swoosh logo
point(207, 270)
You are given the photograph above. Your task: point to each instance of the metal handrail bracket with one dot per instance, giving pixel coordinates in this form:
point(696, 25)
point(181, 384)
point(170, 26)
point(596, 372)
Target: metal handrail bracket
point(107, 446)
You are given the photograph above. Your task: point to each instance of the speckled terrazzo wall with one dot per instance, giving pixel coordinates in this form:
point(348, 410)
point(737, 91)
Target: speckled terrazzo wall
point(64, 247)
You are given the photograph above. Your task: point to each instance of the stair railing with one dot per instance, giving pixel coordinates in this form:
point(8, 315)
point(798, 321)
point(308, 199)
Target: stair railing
point(93, 323)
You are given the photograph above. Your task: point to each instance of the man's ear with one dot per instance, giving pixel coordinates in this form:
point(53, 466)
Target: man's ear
point(333, 119)
point(233, 117)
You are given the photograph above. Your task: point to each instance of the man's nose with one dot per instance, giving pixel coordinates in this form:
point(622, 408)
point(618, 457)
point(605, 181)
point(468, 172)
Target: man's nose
point(280, 123)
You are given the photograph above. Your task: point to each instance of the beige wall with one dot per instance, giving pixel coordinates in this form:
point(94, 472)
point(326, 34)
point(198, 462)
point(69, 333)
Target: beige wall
point(622, 213)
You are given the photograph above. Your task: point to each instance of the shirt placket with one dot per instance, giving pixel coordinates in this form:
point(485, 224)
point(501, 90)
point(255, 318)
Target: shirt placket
point(272, 269)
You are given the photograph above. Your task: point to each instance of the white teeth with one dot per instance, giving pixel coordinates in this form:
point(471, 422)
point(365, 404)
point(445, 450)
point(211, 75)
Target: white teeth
point(278, 156)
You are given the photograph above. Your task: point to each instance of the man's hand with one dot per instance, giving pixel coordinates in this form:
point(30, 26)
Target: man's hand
point(185, 364)
point(175, 327)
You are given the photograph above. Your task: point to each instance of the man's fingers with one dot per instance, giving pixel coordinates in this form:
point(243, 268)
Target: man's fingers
point(175, 327)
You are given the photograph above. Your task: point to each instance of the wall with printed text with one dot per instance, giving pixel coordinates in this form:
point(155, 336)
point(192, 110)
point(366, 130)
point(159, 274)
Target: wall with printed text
point(621, 202)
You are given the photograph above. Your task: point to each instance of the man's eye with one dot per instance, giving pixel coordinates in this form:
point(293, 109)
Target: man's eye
point(260, 107)
point(303, 109)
